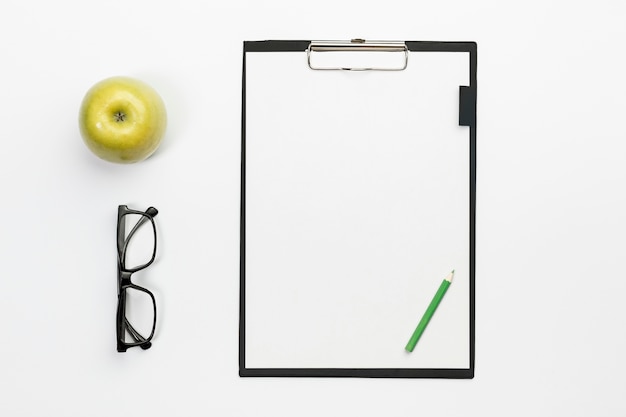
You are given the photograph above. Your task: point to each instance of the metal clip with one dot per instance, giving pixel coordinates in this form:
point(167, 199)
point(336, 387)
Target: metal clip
point(358, 45)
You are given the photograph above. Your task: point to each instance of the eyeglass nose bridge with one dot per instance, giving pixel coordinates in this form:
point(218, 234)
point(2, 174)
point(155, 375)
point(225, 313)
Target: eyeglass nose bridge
point(125, 278)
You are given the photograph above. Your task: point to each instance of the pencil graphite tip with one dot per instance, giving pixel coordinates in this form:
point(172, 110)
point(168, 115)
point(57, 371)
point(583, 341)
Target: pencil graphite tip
point(449, 277)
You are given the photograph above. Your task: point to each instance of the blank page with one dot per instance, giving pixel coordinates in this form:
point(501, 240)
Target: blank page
point(356, 207)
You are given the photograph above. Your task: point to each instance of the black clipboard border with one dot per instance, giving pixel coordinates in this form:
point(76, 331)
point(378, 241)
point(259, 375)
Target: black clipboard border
point(467, 117)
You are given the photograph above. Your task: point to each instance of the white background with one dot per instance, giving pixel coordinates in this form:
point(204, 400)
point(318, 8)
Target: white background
point(550, 310)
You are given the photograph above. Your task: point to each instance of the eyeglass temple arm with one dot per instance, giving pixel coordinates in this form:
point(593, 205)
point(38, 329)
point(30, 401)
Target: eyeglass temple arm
point(152, 212)
point(136, 336)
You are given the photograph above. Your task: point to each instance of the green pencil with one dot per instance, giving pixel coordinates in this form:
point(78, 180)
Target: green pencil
point(429, 312)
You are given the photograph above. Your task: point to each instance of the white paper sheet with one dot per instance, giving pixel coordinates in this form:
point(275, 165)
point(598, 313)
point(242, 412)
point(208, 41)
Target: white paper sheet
point(357, 206)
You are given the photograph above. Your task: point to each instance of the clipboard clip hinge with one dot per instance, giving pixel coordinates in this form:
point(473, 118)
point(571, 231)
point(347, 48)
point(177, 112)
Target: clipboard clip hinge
point(350, 53)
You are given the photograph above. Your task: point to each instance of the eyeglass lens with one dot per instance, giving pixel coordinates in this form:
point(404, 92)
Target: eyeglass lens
point(139, 312)
point(139, 240)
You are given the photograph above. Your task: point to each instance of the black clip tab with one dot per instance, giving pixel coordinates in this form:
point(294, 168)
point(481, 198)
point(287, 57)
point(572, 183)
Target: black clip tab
point(467, 106)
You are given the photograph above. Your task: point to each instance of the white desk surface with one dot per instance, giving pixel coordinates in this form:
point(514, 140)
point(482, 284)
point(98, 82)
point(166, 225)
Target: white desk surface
point(550, 287)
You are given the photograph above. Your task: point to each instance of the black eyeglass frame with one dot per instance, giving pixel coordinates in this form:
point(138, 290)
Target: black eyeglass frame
point(124, 278)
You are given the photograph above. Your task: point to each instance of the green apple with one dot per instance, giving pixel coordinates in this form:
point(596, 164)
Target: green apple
point(122, 120)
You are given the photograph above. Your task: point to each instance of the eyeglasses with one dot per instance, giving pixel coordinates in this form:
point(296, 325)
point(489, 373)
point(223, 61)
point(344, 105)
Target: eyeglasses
point(136, 250)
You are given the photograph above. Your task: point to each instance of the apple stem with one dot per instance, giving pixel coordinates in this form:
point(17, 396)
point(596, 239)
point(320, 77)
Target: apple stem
point(119, 116)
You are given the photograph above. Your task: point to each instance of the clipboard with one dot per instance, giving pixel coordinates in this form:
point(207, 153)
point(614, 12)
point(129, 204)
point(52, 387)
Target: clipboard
point(358, 195)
